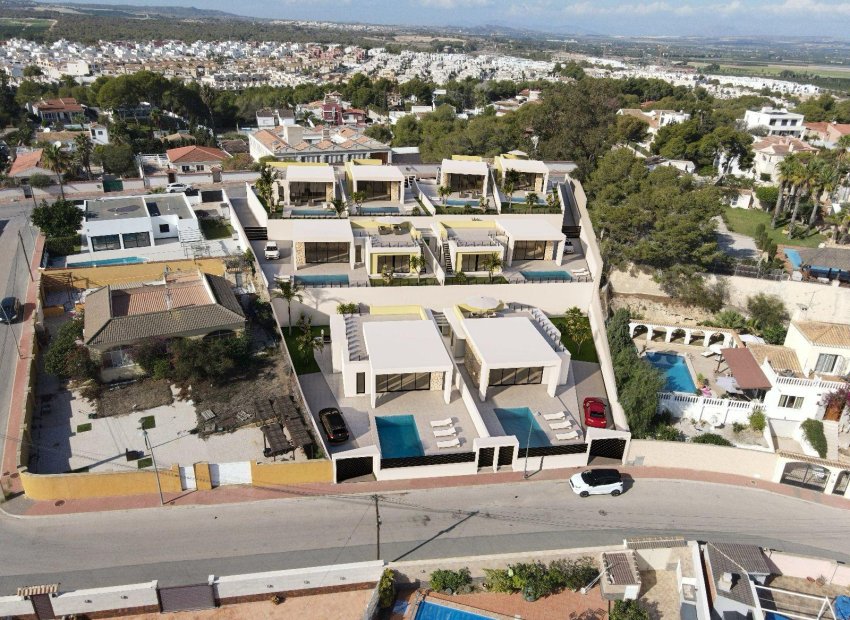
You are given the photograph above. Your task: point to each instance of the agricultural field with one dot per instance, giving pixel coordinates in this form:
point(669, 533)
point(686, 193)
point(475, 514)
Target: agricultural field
point(27, 27)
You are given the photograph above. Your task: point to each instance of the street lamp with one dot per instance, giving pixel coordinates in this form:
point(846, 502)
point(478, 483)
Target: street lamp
point(527, 446)
point(153, 460)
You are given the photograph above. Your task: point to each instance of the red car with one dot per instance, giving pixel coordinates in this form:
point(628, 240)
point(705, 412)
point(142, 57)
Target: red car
point(594, 413)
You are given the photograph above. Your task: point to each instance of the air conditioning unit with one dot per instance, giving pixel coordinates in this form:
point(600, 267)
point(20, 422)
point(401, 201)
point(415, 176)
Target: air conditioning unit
point(725, 583)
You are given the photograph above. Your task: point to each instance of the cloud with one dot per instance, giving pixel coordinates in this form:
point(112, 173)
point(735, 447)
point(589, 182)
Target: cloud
point(652, 8)
point(453, 4)
point(808, 6)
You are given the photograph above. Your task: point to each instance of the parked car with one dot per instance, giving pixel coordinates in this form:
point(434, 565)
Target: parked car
point(334, 425)
point(597, 482)
point(176, 188)
point(271, 251)
point(594, 413)
point(10, 310)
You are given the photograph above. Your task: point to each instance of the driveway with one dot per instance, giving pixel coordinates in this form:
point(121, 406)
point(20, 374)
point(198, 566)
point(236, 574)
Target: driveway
point(735, 244)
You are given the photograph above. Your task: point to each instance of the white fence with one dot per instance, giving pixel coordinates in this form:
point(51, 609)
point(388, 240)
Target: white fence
point(429, 206)
point(256, 207)
point(106, 599)
point(222, 474)
point(716, 411)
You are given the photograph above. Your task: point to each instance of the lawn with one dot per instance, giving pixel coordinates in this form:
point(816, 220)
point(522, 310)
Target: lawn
point(745, 222)
point(404, 282)
point(303, 364)
point(478, 280)
point(588, 350)
point(214, 228)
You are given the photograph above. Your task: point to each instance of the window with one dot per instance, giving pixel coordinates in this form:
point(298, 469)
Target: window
point(530, 250)
point(119, 357)
point(137, 240)
point(185, 169)
point(407, 382)
point(164, 228)
point(516, 376)
point(791, 402)
point(361, 382)
point(106, 242)
point(326, 252)
point(199, 167)
point(400, 263)
point(473, 262)
point(826, 363)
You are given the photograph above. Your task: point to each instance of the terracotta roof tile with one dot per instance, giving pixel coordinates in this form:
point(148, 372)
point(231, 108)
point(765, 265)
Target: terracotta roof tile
point(193, 153)
point(26, 161)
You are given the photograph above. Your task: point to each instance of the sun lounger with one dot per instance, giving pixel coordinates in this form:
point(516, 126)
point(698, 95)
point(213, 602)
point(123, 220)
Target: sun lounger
point(439, 423)
point(558, 426)
point(708, 353)
point(445, 432)
point(581, 272)
point(554, 416)
point(451, 443)
point(567, 436)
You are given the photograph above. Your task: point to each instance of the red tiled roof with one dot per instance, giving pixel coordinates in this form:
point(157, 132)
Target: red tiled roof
point(25, 162)
point(191, 154)
point(64, 104)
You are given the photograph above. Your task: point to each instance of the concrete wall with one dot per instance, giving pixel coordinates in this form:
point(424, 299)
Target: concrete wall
point(128, 597)
point(93, 277)
point(257, 210)
point(274, 474)
point(15, 606)
point(106, 484)
point(702, 457)
point(804, 567)
point(428, 471)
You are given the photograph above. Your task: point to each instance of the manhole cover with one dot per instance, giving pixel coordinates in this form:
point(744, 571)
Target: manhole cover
point(61, 502)
point(603, 513)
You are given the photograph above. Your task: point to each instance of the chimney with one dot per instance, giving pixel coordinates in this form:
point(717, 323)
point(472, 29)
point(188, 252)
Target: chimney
point(725, 583)
point(326, 133)
point(293, 134)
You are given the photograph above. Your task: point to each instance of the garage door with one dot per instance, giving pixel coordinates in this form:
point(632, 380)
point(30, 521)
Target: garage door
point(230, 473)
point(186, 598)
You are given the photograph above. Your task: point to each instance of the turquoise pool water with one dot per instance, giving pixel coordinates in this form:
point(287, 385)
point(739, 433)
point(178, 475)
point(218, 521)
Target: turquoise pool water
point(379, 210)
point(546, 276)
point(461, 202)
point(677, 377)
point(794, 258)
point(326, 279)
point(309, 211)
point(516, 421)
point(431, 611)
point(517, 200)
point(398, 436)
point(127, 260)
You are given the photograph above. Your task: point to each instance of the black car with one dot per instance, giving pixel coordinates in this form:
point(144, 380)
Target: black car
point(334, 425)
point(10, 310)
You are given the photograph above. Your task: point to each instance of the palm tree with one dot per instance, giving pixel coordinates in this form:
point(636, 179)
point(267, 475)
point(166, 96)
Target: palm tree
point(307, 343)
point(339, 206)
point(531, 201)
point(83, 152)
point(491, 263)
point(444, 192)
point(826, 181)
point(57, 160)
point(417, 262)
point(387, 275)
point(482, 203)
point(264, 186)
point(156, 118)
point(806, 174)
point(289, 291)
point(208, 97)
point(787, 169)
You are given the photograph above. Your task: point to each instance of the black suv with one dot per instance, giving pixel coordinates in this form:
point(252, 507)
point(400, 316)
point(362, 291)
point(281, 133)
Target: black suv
point(334, 425)
point(10, 310)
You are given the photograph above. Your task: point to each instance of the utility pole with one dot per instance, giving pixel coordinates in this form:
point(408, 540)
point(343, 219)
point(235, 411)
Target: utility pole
point(377, 528)
point(155, 469)
point(11, 331)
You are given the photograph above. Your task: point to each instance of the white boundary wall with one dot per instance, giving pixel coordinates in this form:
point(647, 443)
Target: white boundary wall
point(257, 209)
point(106, 599)
point(15, 606)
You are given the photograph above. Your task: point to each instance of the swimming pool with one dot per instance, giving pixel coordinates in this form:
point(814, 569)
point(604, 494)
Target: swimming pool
point(547, 276)
point(379, 210)
point(520, 200)
point(432, 611)
point(677, 377)
point(398, 436)
point(516, 421)
point(460, 202)
point(309, 211)
point(127, 260)
point(337, 279)
point(794, 258)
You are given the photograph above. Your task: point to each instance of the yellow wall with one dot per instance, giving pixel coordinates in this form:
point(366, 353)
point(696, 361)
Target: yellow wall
point(399, 310)
point(270, 474)
point(93, 277)
point(106, 484)
point(284, 164)
point(373, 267)
point(469, 224)
point(467, 158)
point(203, 480)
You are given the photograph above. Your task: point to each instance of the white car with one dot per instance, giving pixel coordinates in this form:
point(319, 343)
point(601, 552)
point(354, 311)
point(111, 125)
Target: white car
point(271, 251)
point(177, 188)
point(597, 482)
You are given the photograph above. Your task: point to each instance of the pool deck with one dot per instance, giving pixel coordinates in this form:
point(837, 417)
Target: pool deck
point(706, 366)
point(282, 268)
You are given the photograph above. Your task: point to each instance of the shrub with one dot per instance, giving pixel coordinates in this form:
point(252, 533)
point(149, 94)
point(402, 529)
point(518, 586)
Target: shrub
point(498, 580)
point(66, 359)
point(813, 431)
point(40, 181)
point(536, 580)
point(386, 589)
point(713, 439)
point(451, 581)
point(757, 420)
point(61, 246)
point(737, 427)
point(628, 610)
point(666, 432)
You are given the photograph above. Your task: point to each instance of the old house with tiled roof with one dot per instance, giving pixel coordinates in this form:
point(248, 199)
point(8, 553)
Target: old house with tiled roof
point(333, 145)
point(195, 158)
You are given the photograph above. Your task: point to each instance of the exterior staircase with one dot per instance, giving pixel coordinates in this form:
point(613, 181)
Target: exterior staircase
point(830, 430)
point(447, 259)
point(256, 233)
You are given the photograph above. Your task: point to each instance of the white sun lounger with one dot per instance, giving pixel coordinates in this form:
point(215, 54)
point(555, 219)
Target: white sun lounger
point(558, 426)
point(567, 436)
point(708, 353)
point(555, 416)
point(451, 443)
point(439, 423)
point(445, 432)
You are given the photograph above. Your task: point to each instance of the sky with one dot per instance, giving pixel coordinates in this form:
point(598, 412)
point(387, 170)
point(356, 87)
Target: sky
point(608, 17)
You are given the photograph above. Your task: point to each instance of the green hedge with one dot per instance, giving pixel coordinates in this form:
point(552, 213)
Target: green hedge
point(451, 581)
point(813, 430)
point(62, 246)
point(713, 439)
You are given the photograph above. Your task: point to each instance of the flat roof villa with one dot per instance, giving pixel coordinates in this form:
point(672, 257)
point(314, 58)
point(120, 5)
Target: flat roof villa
point(322, 242)
point(466, 177)
point(527, 175)
point(387, 246)
point(311, 185)
point(380, 184)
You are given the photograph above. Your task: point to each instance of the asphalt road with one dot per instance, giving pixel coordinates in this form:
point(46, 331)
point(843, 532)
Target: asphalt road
point(14, 278)
point(183, 545)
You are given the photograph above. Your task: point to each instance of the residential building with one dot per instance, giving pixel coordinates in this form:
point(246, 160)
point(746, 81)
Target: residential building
point(656, 119)
point(28, 164)
point(376, 181)
point(768, 152)
point(98, 134)
point(775, 122)
point(61, 110)
point(138, 221)
point(465, 176)
point(528, 174)
point(732, 571)
point(304, 184)
point(179, 305)
point(196, 158)
point(826, 134)
point(825, 265)
point(321, 242)
point(321, 144)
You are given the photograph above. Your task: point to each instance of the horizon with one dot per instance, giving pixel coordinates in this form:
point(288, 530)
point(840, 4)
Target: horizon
point(656, 18)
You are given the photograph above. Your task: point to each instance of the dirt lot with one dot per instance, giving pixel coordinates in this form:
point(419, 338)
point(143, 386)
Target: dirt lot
point(137, 396)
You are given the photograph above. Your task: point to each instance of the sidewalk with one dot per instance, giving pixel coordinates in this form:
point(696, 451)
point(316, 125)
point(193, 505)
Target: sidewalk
point(24, 507)
point(10, 479)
